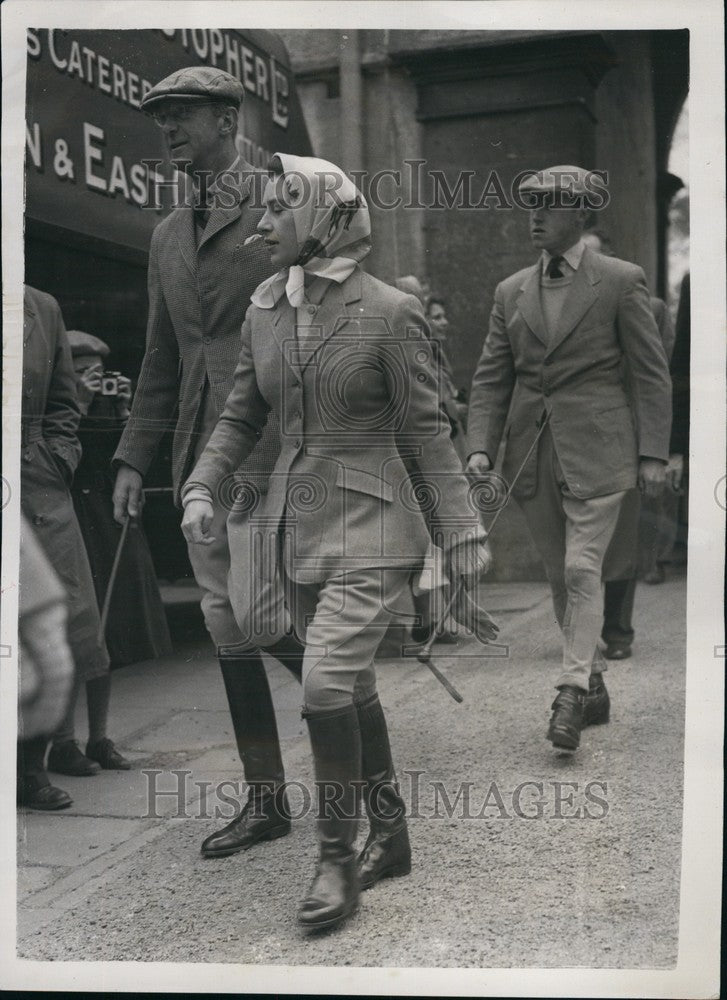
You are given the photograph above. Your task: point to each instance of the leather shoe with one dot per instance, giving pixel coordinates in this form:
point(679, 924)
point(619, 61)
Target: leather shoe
point(566, 722)
point(598, 703)
point(105, 753)
point(617, 651)
point(36, 792)
point(265, 817)
point(655, 575)
point(66, 758)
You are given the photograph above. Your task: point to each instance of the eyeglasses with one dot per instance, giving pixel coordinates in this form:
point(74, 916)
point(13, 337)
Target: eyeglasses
point(178, 114)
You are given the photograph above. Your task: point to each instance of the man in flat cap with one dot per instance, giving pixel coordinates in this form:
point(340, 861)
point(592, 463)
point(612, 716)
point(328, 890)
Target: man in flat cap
point(559, 331)
point(201, 276)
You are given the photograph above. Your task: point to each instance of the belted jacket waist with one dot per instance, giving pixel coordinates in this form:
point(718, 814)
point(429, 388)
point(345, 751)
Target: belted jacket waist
point(31, 430)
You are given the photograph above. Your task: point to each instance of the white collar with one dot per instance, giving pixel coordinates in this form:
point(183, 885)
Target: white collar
point(572, 256)
point(291, 281)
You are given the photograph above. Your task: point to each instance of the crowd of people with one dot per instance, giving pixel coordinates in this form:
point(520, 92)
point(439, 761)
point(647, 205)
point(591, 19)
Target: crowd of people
point(327, 398)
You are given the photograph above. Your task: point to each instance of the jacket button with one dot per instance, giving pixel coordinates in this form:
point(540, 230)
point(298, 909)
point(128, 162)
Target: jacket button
point(206, 340)
point(311, 310)
point(38, 519)
point(27, 455)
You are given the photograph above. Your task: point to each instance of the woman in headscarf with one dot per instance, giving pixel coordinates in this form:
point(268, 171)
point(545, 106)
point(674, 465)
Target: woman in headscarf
point(345, 362)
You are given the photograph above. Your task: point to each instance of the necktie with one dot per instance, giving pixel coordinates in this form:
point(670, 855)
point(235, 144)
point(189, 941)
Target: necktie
point(554, 270)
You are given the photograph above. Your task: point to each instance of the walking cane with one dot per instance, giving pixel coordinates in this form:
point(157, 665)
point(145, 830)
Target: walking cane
point(424, 654)
point(115, 565)
point(112, 581)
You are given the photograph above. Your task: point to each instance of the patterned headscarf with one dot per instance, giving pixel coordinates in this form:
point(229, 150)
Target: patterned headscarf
point(332, 225)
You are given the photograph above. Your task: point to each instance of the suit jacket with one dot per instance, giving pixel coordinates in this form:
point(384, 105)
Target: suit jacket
point(351, 401)
point(599, 423)
point(198, 296)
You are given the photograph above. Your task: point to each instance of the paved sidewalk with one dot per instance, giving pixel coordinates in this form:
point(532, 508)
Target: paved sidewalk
point(556, 859)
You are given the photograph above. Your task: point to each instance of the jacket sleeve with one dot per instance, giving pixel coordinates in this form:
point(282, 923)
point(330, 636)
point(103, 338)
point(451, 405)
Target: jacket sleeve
point(650, 384)
point(62, 414)
point(155, 399)
point(438, 482)
point(239, 427)
point(492, 385)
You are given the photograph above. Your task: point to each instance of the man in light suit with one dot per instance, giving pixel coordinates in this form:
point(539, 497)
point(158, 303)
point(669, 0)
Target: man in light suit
point(559, 332)
point(201, 276)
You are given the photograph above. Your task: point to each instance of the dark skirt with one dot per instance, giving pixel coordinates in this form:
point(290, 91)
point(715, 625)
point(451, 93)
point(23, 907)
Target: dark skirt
point(137, 626)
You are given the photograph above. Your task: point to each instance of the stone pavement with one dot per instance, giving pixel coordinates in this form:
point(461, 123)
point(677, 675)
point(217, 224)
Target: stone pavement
point(95, 878)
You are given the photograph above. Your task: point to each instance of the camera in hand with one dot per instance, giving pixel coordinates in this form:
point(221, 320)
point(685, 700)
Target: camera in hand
point(110, 383)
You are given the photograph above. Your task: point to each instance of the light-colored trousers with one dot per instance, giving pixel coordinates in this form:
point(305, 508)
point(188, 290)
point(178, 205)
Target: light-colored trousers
point(572, 536)
point(342, 621)
point(211, 563)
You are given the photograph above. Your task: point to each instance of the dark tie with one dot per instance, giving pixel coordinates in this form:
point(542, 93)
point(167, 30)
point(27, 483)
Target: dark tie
point(201, 216)
point(554, 270)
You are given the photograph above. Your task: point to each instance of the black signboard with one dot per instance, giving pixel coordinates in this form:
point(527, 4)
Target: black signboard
point(95, 163)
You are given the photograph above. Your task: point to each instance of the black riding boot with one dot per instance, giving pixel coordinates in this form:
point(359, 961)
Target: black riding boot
point(386, 853)
point(265, 815)
point(336, 745)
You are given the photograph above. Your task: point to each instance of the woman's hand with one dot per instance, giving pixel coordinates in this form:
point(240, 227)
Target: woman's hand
point(478, 464)
point(197, 520)
point(471, 559)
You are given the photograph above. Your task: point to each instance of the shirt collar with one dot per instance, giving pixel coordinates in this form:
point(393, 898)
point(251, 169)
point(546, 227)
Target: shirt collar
point(572, 256)
point(234, 168)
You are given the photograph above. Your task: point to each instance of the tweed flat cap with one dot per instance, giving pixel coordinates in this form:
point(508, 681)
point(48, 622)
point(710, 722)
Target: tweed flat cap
point(83, 343)
point(570, 183)
point(195, 83)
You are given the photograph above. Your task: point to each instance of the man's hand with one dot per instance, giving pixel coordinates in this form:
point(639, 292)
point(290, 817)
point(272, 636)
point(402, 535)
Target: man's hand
point(470, 560)
point(128, 494)
point(88, 383)
point(197, 520)
point(478, 464)
point(123, 399)
point(652, 476)
point(675, 471)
